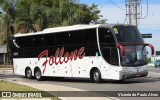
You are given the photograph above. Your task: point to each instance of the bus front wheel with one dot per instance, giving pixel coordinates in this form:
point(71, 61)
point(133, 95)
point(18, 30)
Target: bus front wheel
point(38, 74)
point(96, 76)
point(28, 73)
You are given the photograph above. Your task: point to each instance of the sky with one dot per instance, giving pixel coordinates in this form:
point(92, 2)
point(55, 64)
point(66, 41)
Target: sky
point(115, 11)
point(116, 14)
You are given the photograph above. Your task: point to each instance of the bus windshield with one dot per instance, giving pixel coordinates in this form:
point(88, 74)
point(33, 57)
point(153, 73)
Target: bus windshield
point(133, 43)
point(134, 56)
point(128, 35)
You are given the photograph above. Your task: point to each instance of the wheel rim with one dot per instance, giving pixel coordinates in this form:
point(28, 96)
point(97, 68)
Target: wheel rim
point(29, 73)
point(38, 74)
point(96, 76)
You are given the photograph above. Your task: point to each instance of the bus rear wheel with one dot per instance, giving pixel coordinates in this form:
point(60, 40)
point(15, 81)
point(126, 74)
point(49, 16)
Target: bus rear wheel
point(38, 74)
point(96, 76)
point(28, 73)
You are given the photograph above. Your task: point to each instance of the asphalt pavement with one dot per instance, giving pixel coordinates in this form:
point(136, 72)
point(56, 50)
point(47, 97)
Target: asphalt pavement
point(92, 91)
point(56, 90)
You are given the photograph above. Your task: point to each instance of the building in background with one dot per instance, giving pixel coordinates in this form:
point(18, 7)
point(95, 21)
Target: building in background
point(3, 54)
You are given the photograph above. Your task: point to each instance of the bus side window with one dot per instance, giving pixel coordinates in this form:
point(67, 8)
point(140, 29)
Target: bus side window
point(37, 41)
point(49, 39)
point(75, 37)
point(109, 51)
point(89, 36)
point(27, 41)
point(114, 56)
point(62, 38)
point(105, 36)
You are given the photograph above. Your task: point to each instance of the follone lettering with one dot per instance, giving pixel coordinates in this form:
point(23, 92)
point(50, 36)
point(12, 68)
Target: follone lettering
point(57, 59)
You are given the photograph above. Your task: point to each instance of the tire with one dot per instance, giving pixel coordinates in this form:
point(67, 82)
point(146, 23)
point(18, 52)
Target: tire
point(38, 74)
point(28, 73)
point(96, 76)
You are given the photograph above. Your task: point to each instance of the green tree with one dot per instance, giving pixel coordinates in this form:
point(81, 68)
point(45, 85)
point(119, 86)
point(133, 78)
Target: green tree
point(22, 22)
point(36, 15)
point(8, 17)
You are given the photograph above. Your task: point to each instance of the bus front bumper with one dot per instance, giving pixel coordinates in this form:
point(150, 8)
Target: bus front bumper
point(134, 75)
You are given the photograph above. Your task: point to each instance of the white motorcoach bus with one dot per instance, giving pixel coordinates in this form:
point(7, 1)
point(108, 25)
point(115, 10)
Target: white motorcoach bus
point(109, 51)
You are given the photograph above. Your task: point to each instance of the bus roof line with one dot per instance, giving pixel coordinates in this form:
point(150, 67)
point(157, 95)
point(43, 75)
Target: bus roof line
point(59, 29)
point(68, 28)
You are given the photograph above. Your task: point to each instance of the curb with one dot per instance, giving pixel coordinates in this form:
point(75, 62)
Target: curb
point(6, 68)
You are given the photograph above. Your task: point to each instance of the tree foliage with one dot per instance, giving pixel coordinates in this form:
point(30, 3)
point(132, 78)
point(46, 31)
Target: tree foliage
point(35, 15)
point(23, 16)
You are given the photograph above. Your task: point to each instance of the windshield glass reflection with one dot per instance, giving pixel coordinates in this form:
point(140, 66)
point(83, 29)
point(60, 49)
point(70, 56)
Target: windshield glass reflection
point(135, 55)
point(128, 35)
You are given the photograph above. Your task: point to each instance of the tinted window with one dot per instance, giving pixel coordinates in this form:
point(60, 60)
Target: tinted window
point(49, 39)
point(75, 37)
point(62, 38)
point(106, 52)
point(128, 34)
point(89, 36)
point(105, 36)
point(114, 57)
point(24, 41)
point(110, 55)
point(37, 41)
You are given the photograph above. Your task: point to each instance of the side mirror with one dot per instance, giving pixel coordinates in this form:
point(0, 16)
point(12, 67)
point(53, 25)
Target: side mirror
point(152, 48)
